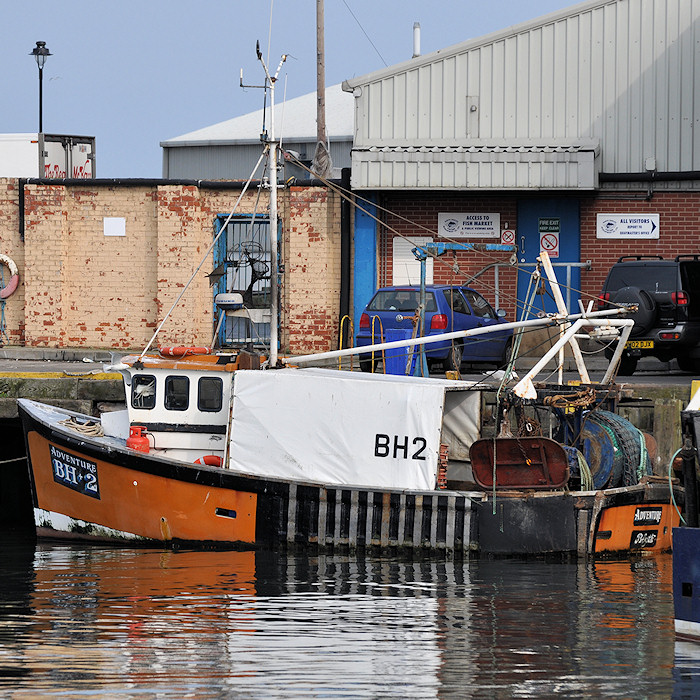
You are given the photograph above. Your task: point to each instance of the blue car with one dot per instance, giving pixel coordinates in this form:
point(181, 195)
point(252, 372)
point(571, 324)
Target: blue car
point(391, 312)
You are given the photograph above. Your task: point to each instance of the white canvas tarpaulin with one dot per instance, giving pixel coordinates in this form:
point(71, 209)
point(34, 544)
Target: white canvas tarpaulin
point(461, 423)
point(334, 427)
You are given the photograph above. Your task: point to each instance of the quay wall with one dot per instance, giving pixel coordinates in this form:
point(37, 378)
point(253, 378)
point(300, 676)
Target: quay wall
point(80, 287)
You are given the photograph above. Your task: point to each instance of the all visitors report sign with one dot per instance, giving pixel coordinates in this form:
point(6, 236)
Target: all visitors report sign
point(627, 226)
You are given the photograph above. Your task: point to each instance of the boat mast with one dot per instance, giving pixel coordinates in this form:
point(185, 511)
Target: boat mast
point(272, 176)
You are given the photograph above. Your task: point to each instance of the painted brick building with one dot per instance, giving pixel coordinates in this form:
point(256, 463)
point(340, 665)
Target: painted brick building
point(83, 286)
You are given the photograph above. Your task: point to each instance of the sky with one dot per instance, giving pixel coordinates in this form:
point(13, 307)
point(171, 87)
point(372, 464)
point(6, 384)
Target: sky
point(135, 73)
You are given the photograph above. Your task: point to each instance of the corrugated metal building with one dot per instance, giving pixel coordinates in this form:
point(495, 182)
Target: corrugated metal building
point(229, 150)
point(604, 86)
point(544, 127)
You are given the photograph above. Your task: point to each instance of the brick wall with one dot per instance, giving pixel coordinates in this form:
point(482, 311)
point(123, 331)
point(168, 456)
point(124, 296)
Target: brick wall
point(12, 246)
point(413, 216)
point(679, 214)
point(311, 284)
point(679, 224)
point(80, 288)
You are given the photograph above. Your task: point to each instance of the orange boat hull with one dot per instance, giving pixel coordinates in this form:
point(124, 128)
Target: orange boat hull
point(99, 489)
point(639, 527)
point(135, 503)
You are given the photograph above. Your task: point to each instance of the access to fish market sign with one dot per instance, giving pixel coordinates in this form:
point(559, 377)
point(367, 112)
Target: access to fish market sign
point(469, 225)
point(627, 226)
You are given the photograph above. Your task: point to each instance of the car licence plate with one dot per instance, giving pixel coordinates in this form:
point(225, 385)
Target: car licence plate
point(639, 344)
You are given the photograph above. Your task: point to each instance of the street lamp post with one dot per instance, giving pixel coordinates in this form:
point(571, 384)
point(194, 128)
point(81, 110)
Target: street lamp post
point(40, 53)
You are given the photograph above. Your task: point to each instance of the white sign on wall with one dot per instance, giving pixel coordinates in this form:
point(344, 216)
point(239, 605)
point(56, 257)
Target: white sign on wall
point(114, 225)
point(627, 226)
point(457, 225)
point(508, 236)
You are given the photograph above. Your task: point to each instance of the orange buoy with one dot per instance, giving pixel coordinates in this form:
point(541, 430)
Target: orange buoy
point(210, 461)
point(183, 351)
point(137, 440)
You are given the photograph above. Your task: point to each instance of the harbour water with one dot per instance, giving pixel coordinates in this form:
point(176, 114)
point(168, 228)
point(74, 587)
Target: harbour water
point(100, 622)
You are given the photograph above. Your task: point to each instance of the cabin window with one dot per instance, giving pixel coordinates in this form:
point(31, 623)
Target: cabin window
point(210, 394)
point(143, 391)
point(177, 393)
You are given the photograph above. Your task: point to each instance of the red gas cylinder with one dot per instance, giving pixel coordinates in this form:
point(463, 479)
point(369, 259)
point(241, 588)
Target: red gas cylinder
point(137, 440)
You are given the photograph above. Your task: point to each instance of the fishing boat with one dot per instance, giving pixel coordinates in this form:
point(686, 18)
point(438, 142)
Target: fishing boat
point(229, 448)
point(214, 450)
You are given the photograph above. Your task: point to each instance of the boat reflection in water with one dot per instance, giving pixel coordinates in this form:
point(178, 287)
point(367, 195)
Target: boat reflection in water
point(220, 624)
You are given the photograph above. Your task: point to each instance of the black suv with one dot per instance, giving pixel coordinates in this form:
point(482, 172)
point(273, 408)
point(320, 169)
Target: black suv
point(667, 322)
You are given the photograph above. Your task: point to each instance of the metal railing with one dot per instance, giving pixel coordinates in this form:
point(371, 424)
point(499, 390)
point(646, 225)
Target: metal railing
point(567, 285)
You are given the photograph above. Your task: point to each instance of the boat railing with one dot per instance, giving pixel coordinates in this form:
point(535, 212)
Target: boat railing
point(588, 319)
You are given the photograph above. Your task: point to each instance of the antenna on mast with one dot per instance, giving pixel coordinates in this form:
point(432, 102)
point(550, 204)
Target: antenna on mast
point(268, 137)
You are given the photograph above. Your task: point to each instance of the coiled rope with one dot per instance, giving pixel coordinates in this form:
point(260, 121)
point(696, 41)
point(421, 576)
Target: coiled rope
point(585, 397)
point(91, 428)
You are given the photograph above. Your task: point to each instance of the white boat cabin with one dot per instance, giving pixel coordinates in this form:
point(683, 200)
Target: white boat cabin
point(315, 425)
point(183, 404)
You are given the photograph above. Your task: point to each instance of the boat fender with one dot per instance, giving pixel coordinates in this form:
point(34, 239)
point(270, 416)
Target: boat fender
point(183, 351)
point(9, 289)
point(210, 461)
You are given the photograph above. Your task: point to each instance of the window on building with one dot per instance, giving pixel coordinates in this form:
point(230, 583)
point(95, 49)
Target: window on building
point(143, 391)
point(210, 394)
point(177, 393)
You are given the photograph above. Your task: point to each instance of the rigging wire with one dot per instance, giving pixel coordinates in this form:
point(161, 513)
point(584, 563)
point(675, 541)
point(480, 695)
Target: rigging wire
point(269, 32)
point(206, 254)
point(353, 198)
point(365, 33)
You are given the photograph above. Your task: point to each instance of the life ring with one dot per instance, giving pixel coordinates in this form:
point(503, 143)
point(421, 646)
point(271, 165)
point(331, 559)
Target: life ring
point(210, 461)
point(182, 351)
point(9, 289)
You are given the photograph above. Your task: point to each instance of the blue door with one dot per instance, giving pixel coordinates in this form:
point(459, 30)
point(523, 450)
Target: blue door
point(553, 225)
